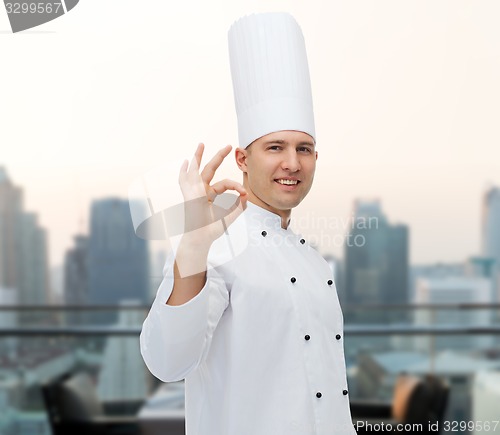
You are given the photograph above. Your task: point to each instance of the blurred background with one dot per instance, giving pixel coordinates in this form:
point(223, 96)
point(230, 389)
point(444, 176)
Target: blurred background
point(405, 205)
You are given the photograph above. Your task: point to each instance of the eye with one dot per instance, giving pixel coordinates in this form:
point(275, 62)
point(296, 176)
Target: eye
point(274, 147)
point(305, 150)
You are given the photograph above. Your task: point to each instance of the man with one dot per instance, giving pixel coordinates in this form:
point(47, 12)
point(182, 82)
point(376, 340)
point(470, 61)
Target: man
point(256, 332)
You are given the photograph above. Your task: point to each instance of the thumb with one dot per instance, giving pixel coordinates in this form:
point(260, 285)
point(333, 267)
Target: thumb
point(236, 209)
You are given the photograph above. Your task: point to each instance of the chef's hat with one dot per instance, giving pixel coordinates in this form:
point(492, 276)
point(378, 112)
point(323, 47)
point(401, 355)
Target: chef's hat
point(272, 87)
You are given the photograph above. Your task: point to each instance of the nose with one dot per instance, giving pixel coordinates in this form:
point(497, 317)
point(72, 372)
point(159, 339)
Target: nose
point(291, 161)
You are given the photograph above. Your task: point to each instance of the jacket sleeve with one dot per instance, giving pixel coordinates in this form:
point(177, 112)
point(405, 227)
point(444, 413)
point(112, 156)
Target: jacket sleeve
point(175, 339)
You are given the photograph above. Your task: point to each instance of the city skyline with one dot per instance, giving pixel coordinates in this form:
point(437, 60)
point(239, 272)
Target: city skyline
point(333, 231)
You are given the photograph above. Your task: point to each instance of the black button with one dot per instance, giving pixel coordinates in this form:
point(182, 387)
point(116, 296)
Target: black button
point(318, 394)
point(264, 233)
point(344, 392)
point(330, 282)
point(302, 241)
point(337, 336)
point(293, 279)
point(307, 337)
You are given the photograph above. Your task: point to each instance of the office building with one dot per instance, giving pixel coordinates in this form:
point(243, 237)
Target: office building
point(23, 249)
point(76, 277)
point(435, 270)
point(453, 291)
point(376, 262)
point(490, 232)
point(10, 212)
point(34, 276)
point(118, 260)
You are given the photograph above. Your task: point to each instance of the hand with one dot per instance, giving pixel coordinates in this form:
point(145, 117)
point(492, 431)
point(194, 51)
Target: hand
point(205, 222)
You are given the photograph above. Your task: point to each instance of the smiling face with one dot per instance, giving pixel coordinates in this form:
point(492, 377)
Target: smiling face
point(278, 170)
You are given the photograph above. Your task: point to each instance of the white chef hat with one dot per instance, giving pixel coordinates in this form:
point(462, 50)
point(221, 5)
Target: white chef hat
point(272, 87)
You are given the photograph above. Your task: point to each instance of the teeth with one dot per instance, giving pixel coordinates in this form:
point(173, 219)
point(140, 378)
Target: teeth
point(289, 182)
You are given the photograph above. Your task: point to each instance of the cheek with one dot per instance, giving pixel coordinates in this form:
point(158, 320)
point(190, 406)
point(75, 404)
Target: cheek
point(258, 176)
point(266, 170)
point(263, 171)
point(309, 168)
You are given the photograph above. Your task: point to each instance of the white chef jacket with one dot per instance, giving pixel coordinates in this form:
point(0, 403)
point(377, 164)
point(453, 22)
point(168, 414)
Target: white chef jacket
point(261, 346)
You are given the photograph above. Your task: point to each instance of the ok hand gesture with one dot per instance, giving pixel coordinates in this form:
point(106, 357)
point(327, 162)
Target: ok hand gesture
point(204, 221)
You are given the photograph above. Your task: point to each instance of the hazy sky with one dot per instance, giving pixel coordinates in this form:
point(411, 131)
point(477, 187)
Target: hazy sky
point(406, 97)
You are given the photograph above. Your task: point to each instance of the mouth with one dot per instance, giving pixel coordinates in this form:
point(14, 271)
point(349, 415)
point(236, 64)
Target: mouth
point(287, 183)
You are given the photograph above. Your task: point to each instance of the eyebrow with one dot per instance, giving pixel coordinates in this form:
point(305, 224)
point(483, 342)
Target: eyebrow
point(283, 142)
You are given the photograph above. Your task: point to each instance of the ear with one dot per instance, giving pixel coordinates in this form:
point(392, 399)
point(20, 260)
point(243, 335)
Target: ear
point(316, 155)
point(240, 156)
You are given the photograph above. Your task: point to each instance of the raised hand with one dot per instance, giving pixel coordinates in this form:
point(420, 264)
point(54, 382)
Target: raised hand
point(204, 221)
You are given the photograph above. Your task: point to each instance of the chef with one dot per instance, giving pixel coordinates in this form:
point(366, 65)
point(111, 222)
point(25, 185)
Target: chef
point(247, 312)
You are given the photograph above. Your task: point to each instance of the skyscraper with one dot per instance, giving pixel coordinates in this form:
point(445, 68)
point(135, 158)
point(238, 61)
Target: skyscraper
point(491, 231)
point(118, 262)
point(376, 259)
point(34, 268)
point(76, 277)
point(23, 247)
point(8, 319)
point(10, 212)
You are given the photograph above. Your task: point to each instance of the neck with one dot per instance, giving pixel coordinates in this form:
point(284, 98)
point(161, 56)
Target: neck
point(283, 214)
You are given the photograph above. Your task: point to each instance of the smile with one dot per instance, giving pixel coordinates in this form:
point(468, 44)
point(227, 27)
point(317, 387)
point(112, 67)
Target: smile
point(287, 182)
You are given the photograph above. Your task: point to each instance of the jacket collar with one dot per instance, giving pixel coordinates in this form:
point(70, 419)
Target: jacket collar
point(264, 219)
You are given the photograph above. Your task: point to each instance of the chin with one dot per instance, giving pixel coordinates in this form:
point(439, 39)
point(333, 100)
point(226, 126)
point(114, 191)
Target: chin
point(288, 205)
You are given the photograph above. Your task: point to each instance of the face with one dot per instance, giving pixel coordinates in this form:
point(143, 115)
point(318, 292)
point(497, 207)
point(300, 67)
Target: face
point(278, 170)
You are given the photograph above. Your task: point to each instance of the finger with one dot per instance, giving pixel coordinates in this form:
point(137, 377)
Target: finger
point(236, 209)
point(219, 212)
point(183, 169)
point(182, 174)
point(191, 184)
point(221, 186)
point(209, 170)
point(196, 160)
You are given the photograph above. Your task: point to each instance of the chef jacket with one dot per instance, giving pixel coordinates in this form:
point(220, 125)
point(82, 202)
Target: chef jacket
point(261, 346)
